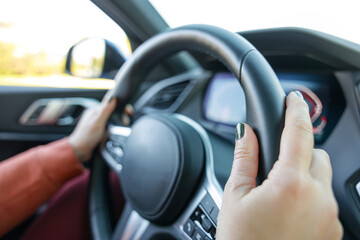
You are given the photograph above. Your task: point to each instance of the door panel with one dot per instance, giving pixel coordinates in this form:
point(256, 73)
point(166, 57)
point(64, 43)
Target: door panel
point(14, 101)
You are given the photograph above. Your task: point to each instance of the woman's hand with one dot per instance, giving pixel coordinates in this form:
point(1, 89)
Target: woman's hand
point(296, 201)
point(91, 128)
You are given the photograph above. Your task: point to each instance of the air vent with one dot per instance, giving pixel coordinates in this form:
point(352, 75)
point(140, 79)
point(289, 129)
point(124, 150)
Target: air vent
point(167, 96)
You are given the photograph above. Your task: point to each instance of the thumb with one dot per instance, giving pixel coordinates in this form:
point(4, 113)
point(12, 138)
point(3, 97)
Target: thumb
point(245, 166)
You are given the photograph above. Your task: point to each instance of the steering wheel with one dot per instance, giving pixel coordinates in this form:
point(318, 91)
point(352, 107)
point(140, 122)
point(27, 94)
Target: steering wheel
point(165, 162)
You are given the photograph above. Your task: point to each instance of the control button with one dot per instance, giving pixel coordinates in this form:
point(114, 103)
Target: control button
point(198, 234)
point(205, 223)
point(196, 214)
point(115, 150)
point(207, 203)
point(214, 214)
point(189, 227)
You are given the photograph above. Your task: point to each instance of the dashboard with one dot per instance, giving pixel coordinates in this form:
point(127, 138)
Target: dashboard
point(224, 102)
point(326, 70)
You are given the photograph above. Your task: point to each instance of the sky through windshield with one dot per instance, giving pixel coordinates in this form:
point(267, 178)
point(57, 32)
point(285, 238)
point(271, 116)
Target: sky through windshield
point(339, 18)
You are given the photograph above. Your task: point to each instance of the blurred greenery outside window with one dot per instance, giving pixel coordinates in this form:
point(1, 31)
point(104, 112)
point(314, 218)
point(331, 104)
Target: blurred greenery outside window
point(35, 36)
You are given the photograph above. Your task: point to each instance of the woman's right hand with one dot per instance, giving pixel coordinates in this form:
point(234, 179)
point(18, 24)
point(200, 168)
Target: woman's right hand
point(296, 201)
point(91, 128)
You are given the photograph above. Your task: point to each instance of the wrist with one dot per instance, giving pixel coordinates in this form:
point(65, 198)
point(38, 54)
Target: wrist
point(80, 151)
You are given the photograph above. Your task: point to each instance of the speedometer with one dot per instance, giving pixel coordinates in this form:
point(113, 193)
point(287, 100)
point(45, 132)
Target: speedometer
point(315, 105)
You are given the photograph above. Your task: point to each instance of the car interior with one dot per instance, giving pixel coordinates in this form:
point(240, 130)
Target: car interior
point(187, 88)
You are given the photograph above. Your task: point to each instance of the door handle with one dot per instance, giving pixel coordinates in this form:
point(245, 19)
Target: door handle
point(56, 111)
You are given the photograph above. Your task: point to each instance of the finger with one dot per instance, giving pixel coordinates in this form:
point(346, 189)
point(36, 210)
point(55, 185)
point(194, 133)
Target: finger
point(244, 170)
point(320, 167)
point(107, 109)
point(336, 231)
point(297, 140)
point(108, 96)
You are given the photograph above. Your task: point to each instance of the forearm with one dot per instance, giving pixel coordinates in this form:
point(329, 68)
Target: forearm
point(29, 179)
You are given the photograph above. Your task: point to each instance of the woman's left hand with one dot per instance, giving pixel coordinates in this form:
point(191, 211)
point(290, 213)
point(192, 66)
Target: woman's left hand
point(91, 128)
point(296, 201)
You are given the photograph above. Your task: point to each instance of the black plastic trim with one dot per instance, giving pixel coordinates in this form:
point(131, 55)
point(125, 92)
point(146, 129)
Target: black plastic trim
point(332, 51)
point(11, 136)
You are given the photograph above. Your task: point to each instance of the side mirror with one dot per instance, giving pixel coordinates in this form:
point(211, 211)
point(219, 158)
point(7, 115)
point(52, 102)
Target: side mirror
point(94, 58)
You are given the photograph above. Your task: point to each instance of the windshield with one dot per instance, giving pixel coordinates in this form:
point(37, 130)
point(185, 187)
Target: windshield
point(338, 18)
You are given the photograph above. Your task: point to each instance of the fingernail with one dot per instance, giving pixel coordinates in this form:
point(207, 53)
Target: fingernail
point(129, 109)
point(299, 94)
point(240, 130)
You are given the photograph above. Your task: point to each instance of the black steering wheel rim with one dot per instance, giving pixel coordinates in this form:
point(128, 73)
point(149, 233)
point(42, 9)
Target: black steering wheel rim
point(264, 95)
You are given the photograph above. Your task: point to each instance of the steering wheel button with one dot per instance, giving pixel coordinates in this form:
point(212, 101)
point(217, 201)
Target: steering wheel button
point(207, 203)
point(189, 227)
point(198, 234)
point(205, 223)
point(115, 150)
point(197, 213)
point(214, 214)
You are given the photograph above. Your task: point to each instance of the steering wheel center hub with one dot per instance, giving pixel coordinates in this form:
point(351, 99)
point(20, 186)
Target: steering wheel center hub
point(164, 158)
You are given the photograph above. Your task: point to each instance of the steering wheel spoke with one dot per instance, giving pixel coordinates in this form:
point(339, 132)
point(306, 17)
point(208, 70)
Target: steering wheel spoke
point(197, 221)
point(112, 149)
point(130, 225)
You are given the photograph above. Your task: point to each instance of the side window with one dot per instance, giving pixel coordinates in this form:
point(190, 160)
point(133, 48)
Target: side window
point(36, 35)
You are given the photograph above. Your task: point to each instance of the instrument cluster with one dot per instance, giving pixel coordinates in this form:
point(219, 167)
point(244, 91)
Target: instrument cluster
point(225, 104)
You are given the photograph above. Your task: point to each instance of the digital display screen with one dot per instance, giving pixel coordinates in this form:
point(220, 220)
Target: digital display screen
point(225, 100)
